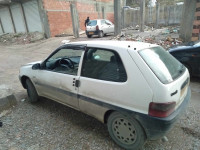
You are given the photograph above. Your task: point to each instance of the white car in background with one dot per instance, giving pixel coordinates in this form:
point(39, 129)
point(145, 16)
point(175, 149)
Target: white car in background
point(99, 27)
point(138, 89)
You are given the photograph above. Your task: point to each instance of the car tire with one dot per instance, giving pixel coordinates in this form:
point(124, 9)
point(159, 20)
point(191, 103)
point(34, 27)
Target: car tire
point(100, 34)
point(126, 131)
point(31, 91)
point(89, 36)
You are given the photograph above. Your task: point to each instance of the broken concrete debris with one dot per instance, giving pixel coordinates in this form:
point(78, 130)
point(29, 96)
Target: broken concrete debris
point(165, 37)
point(21, 38)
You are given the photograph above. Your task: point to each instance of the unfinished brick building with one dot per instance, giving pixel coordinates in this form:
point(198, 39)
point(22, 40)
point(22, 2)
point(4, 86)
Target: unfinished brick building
point(53, 17)
point(196, 23)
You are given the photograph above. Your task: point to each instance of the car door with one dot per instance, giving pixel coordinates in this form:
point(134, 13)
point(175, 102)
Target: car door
point(110, 26)
point(102, 79)
point(57, 78)
point(104, 27)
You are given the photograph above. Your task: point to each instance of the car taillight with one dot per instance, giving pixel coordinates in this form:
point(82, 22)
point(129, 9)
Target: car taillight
point(97, 27)
point(161, 109)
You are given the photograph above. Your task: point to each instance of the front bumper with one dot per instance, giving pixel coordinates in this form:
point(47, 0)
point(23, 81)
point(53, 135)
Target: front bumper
point(158, 127)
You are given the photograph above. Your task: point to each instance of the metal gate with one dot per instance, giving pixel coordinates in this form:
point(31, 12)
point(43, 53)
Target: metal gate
point(23, 18)
point(6, 21)
point(32, 16)
point(18, 18)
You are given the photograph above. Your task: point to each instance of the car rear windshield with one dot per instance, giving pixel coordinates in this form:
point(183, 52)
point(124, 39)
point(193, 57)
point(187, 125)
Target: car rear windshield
point(92, 23)
point(164, 66)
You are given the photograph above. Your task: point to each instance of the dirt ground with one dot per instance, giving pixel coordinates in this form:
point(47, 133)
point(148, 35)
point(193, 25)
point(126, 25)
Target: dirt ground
point(49, 125)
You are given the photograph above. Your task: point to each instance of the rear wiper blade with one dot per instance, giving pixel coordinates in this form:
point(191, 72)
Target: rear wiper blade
point(181, 69)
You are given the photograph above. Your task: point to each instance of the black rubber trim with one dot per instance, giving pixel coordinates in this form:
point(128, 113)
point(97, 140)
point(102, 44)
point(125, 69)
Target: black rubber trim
point(58, 89)
point(172, 94)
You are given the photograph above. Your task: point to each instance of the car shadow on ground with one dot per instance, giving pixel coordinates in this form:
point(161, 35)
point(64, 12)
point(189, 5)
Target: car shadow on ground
point(76, 118)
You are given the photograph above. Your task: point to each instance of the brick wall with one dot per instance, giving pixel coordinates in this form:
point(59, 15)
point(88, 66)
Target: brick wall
point(59, 16)
point(110, 16)
point(196, 24)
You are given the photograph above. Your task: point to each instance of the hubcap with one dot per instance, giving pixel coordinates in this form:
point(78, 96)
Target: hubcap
point(124, 131)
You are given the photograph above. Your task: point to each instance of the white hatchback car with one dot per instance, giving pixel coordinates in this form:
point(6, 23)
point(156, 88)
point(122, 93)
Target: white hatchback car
point(99, 27)
point(137, 89)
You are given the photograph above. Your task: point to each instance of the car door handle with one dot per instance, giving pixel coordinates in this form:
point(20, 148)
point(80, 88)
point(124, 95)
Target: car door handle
point(174, 93)
point(77, 83)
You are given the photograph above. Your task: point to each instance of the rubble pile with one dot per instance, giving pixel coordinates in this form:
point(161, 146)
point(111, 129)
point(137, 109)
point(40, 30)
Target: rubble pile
point(166, 36)
point(21, 38)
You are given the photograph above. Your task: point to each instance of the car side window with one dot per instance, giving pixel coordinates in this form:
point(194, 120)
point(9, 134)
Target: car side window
point(103, 22)
point(108, 22)
point(64, 61)
point(103, 64)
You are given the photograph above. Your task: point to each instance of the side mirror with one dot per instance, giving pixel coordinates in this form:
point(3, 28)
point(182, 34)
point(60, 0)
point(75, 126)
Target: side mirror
point(36, 66)
point(108, 23)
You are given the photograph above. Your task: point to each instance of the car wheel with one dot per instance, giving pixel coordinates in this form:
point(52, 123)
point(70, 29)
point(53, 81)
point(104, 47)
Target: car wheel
point(89, 36)
point(100, 34)
point(31, 91)
point(125, 131)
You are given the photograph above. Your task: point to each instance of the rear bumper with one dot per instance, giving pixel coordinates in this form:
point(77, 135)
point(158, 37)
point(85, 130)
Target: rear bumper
point(158, 127)
point(93, 32)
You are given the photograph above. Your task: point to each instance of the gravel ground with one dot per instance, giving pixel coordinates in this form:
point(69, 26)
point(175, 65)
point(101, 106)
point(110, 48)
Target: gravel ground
point(48, 125)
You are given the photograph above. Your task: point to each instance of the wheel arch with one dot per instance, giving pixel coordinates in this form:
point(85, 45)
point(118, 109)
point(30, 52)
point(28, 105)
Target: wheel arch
point(23, 80)
point(107, 114)
point(134, 116)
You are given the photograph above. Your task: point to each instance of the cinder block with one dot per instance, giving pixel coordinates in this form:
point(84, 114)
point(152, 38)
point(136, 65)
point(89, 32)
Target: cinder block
point(196, 22)
point(195, 31)
point(197, 13)
point(194, 39)
point(198, 5)
point(7, 102)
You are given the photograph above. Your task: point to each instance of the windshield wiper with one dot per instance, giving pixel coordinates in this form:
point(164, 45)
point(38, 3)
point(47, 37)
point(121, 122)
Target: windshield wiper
point(181, 69)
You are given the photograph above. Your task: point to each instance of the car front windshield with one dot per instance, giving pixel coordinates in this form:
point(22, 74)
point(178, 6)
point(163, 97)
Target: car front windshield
point(164, 66)
point(92, 23)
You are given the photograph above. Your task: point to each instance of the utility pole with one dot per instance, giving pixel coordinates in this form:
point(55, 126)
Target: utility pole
point(123, 13)
point(157, 14)
point(117, 16)
point(75, 21)
point(189, 9)
point(142, 15)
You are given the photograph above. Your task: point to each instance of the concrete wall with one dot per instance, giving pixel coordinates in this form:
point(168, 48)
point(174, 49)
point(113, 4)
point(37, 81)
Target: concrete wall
point(168, 15)
point(196, 24)
point(59, 16)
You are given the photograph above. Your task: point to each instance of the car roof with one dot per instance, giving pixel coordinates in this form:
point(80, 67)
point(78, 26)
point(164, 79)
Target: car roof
point(132, 45)
point(180, 48)
point(98, 19)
